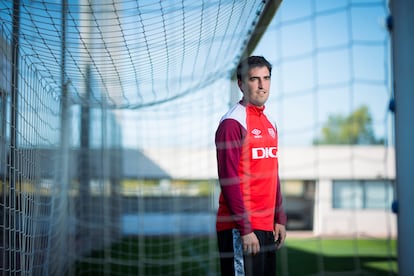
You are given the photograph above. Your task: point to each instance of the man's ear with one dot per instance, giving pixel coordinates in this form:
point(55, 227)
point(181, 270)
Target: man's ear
point(240, 84)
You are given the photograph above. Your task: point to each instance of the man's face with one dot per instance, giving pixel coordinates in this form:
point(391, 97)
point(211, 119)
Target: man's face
point(255, 86)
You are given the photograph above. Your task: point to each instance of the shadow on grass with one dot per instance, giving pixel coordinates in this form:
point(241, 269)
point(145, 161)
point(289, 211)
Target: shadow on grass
point(198, 256)
point(153, 255)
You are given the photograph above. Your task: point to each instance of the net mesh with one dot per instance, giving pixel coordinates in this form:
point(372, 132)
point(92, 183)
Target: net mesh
point(108, 113)
point(137, 53)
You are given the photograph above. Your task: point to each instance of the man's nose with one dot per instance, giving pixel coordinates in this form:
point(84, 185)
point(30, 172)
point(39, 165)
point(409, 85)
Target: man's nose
point(260, 83)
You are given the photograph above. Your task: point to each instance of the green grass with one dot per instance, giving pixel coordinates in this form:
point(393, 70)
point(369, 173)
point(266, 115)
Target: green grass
point(153, 256)
point(348, 256)
point(198, 256)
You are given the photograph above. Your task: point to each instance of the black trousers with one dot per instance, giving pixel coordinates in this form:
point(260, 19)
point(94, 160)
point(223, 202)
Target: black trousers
point(233, 261)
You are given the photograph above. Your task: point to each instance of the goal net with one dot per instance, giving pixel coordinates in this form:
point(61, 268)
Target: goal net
point(108, 113)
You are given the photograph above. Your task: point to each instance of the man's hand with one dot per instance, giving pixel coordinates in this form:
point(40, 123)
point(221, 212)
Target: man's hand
point(250, 243)
point(280, 235)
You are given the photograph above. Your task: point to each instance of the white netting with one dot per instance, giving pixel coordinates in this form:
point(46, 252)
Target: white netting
point(138, 53)
point(108, 113)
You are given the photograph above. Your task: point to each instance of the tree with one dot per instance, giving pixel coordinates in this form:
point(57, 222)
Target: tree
point(356, 129)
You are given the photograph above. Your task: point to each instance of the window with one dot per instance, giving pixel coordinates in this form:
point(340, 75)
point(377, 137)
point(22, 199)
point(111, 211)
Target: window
point(370, 194)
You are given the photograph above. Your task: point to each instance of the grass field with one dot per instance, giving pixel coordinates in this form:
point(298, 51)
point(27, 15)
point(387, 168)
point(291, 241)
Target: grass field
point(198, 256)
point(348, 256)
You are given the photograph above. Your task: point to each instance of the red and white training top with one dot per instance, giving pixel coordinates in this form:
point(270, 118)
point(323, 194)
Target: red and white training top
point(246, 144)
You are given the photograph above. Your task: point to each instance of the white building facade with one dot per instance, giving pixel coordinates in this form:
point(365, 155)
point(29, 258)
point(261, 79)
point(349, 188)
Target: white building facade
point(354, 187)
point(329, 190)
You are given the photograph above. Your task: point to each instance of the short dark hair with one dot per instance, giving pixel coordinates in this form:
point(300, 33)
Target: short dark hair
point(253, 61)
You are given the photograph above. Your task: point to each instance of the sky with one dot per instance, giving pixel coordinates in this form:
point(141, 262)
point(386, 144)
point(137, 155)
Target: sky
point(329, 57)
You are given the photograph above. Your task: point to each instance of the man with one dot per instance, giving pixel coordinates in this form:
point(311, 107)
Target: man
point(250, 219)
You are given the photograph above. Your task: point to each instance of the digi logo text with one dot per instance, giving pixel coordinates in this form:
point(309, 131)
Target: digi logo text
point(265, 152)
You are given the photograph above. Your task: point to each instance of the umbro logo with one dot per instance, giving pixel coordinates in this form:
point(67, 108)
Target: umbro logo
point(256, 132)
